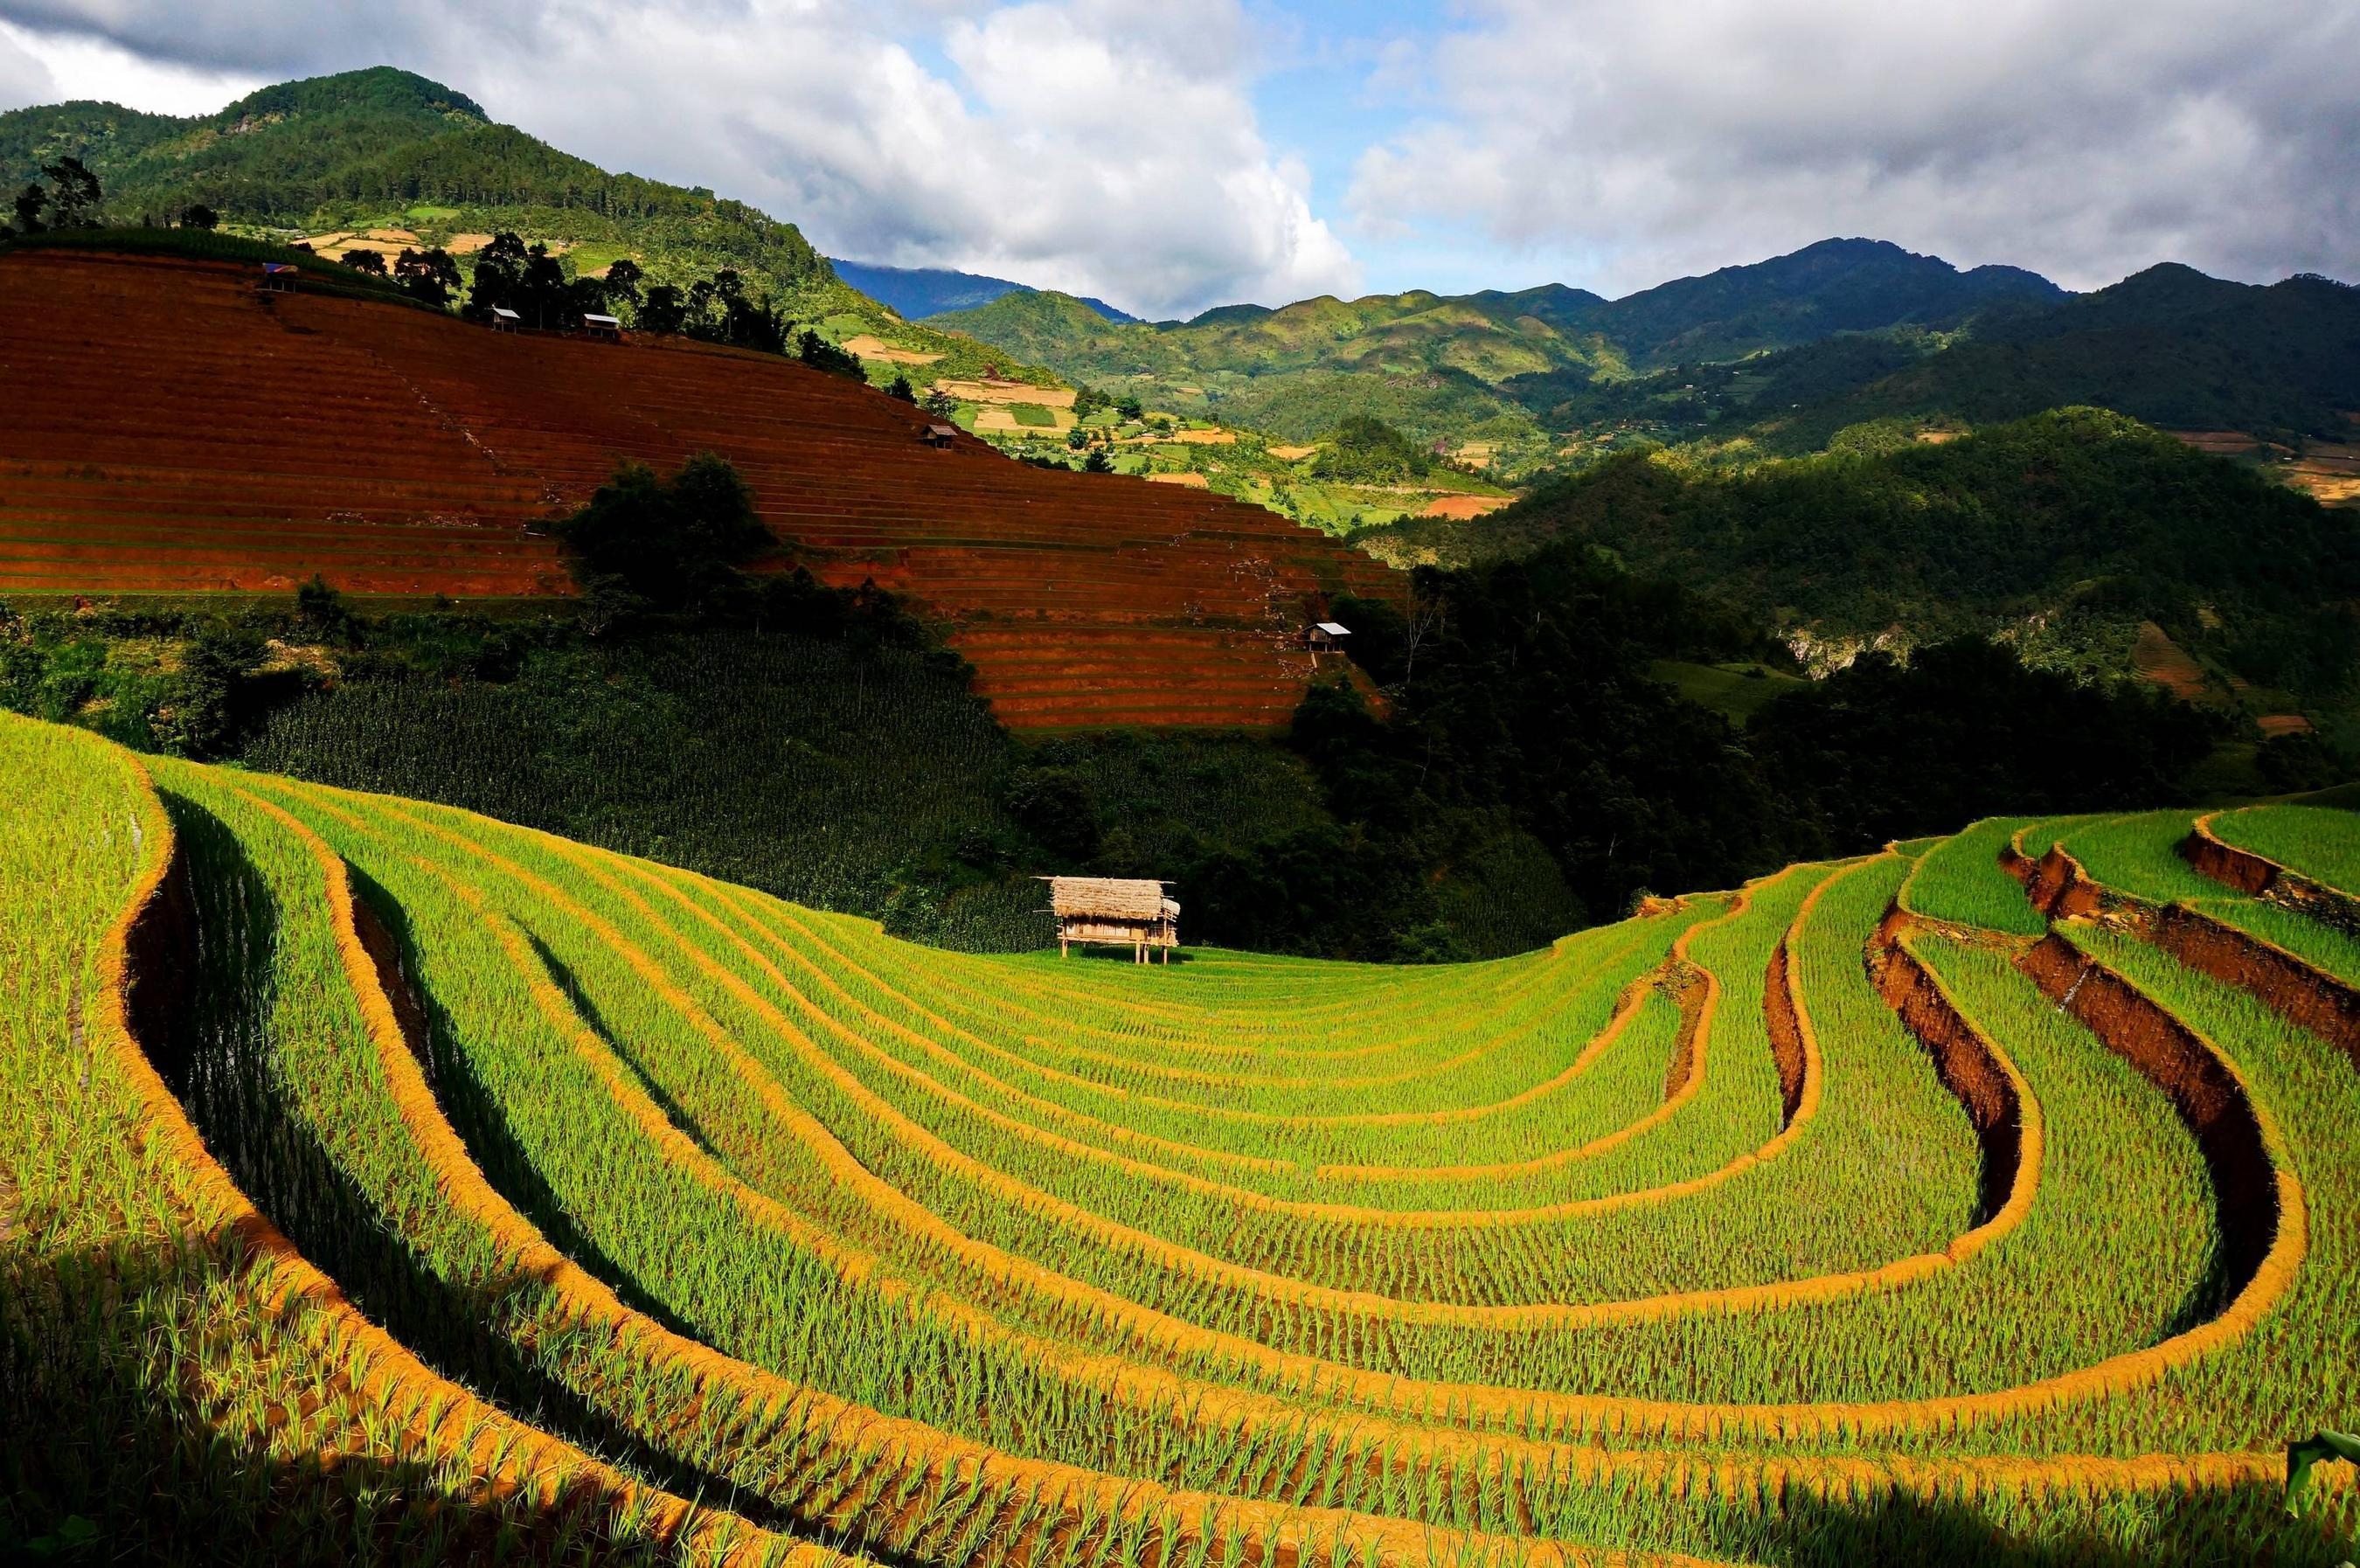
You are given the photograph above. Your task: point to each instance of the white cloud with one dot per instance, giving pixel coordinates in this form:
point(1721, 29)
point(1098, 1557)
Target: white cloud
point(23, 78)
point(2076, 136)
point(1103, 146)
point(67, 66)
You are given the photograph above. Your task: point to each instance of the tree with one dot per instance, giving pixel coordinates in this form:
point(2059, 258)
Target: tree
point(623, 281)
point(1130, 407)
point(200, 216)
point(901, 389)
point(543, 295)
point(366, 261)
point(74, 194)
point(1098, 461)
point(671, 546)
point(1076, 439)
point(665, 309)
point(941, 404)
point(499, 275)
point(29, 202)
point(322, 608)
point(821, 355)
point(430, 277)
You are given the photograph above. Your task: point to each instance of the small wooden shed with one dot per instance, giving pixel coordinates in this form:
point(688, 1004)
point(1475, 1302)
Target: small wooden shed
point(608, 329)
point(1327, 636)
point(278, 277)
point(505, 320)
point(1114, 911)
point(939, 436)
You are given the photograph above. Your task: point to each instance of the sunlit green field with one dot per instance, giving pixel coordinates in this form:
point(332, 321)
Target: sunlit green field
point(383, 1181)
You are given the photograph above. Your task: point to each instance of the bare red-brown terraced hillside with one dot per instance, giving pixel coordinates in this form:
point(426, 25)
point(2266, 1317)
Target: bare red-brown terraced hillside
point(172, 429)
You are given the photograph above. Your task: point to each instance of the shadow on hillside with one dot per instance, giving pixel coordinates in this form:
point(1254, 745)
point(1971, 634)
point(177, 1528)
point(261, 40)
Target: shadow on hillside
point(207, 1026)
point(1180, 957)
point(2245, 1525)
point(133, 1464)
point(595, 1020)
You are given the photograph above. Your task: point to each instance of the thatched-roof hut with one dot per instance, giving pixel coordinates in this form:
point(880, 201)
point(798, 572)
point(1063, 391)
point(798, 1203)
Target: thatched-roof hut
point(1114, 911)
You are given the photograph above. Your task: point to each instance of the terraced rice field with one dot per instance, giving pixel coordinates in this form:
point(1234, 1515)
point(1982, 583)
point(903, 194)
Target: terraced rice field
point(191, 436)
point(494, 1197)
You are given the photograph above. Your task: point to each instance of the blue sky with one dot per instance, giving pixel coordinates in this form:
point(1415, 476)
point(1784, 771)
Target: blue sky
point(1170, 155)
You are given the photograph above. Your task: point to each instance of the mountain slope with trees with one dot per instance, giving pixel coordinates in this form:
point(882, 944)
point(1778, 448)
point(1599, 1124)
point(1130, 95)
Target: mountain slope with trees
point(2168, 345)
point(2064, 531)
point(921, 291)
point(386, 148)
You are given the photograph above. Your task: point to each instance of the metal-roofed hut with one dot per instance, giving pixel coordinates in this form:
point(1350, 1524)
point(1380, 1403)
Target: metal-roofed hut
point(1114, 911)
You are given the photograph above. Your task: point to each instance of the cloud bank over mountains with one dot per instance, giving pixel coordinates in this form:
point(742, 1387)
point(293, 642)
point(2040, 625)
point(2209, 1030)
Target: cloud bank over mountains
point(1094, 144)
point(2080, 137)
point(1114, 147)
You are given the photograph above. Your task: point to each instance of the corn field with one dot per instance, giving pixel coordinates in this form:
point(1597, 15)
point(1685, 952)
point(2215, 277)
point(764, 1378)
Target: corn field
point(384, 1182)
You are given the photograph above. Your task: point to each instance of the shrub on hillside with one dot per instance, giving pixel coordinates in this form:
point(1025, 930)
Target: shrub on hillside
point(1365, 451)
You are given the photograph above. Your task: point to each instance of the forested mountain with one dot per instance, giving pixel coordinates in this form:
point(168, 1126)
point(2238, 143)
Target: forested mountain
point(388, 149)
point(1835, 286)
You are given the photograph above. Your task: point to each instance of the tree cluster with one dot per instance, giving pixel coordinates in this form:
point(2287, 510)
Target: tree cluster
point(1365, 451)
point(511, 274)
point(1524, 687)
point(71, 200)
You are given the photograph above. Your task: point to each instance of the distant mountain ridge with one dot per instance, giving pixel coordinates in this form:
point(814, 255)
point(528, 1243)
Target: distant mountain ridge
point(2168, 345)
point(1835, 286)
point(918, 292)
point(1442, 365)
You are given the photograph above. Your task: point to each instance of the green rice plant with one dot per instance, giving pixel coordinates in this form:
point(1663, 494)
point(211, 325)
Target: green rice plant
point(185, 1372)
point(2321, 843)
point(1959, 881)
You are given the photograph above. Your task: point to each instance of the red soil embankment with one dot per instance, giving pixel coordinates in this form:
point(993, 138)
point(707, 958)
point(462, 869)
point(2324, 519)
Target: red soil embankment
point(1963, 1060)
point(1786, 1034)
point(194, 435)
point(2208, 1096)
point(2321, 1004)
point(2263, 879)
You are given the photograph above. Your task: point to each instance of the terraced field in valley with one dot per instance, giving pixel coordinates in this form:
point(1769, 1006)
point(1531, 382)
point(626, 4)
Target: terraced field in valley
point(385, 1181)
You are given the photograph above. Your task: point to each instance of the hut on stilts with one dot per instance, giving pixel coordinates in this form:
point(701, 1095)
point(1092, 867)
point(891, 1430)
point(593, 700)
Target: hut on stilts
point(1114, 911)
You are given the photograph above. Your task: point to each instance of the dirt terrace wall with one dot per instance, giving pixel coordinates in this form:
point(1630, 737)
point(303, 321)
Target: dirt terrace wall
point(2210, 1100)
